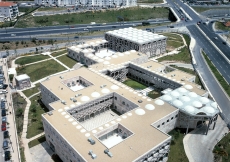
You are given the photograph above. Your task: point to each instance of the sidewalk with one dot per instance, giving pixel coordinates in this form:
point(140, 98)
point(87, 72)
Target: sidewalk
point(198, 147)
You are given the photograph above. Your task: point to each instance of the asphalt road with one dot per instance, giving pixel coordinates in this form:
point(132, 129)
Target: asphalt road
point(32, 32)
point(218, 60)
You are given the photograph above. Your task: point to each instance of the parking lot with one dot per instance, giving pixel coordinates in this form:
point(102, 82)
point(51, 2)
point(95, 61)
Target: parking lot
point(8, 140)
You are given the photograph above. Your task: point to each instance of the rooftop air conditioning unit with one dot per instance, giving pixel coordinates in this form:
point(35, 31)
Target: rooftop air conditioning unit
point(74, 100)
point(63, 102)
point(71, 98)
point(50, 113)
point(77, 95)
point(61, 77)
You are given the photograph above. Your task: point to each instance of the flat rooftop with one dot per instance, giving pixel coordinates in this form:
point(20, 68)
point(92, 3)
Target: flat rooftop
point(136, 35)
point(137, 120)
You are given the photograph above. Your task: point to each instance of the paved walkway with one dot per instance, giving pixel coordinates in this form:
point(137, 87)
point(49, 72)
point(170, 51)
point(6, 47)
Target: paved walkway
point(198, 147)
point(59, 62)
point(24, 131)
point(35, 137)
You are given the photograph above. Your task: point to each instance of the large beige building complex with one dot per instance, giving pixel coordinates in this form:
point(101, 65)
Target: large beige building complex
point(95, 117)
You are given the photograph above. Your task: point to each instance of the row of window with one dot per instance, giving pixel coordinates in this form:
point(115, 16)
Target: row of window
point(167, 121)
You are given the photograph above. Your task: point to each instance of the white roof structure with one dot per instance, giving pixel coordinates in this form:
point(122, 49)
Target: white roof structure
point(136, 35)
point(22, 77)
point(190, 103)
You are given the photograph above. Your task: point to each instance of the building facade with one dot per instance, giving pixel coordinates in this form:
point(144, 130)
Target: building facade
point(22, 81)
point(95, 117)
point(91, 3)
point(8, 9)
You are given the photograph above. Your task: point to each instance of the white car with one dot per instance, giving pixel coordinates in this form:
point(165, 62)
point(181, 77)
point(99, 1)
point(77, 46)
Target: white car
point(85, 29)
point(215, 38)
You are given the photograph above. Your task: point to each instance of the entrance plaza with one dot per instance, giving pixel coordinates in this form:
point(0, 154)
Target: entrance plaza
point(105, 120)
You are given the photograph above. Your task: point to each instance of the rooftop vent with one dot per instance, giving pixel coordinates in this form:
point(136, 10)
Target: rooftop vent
point(102, 86)
point(149, 66)
point(92, 142)
point(63, 102)
point(140, 101)
point(71, 98)
point(94, 156)
point(106, 151)
point(182, 79)
point(74, 100)
point(50, 113)
point(61, 77)
point(77, 95)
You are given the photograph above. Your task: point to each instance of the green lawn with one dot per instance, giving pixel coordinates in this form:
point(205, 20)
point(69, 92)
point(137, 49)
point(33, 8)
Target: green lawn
point(19, 104)
point(190, 71)
point(55, 54)
point(35, 125)
point(133, 84)
point(220, 26)
point(202, 9)
point(37, 141)
point(177, 153)
point(40, 70)
point(222, 149)
point(183, 56)
point(174, 43)
point(218, 76)
point(32, 91)
point(30, 59)
point(67, 61)
point(129, 14)
point(154, 94)
point(187, 39)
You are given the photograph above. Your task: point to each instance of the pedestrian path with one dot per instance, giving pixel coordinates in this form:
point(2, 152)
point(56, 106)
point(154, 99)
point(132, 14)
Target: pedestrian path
point(59, 62)
point(146, 90)
point(35, 137)
point(24, 131)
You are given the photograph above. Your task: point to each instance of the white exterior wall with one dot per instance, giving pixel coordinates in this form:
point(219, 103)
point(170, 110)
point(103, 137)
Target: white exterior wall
point(167, 123)
point(9, 12)
point(62, 148)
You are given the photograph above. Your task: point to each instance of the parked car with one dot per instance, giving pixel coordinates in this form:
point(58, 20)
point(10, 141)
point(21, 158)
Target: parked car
point(3, 99)
point(3, 92)
point(3, 126)
point(4, 119)
point(3, 112)
point(5, 144)
point(7, 155)
point(6, 134)
point(3, 106)
point(5, 86)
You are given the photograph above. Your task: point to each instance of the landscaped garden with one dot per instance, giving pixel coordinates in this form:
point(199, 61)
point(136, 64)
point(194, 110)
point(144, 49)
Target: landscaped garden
point(40, 70)
point(58, 53)
point(133, 84)
point(154, 94)
point(30, 59)
point(35, 125)
point(32, 91)
point(19, 105)
point(183, 56)
point(177, 153)
point(222, 149)
point(65, 59)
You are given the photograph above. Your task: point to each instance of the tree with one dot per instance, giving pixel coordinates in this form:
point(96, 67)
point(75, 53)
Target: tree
point(19, 112)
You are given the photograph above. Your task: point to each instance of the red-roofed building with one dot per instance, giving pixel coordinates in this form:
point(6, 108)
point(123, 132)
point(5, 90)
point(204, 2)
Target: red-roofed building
point(8, 9)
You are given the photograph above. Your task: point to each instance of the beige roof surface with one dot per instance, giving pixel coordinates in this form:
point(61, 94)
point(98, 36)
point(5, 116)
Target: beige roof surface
point(139, 125)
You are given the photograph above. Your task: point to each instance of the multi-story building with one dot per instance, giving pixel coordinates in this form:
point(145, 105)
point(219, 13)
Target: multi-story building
point(135, 39)
point(8, 9)
point(95, 117)
point(96, 3)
